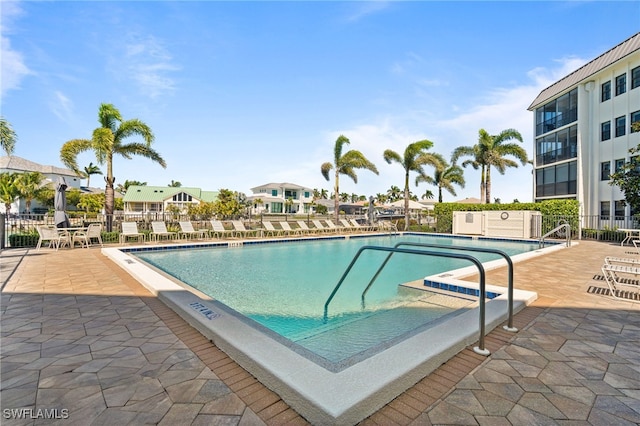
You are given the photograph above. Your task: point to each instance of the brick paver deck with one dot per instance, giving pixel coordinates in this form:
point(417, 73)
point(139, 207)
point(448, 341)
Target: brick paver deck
point(80, 336)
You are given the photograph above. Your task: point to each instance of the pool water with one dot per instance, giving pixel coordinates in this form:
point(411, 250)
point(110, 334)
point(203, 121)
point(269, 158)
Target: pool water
point(284, 286)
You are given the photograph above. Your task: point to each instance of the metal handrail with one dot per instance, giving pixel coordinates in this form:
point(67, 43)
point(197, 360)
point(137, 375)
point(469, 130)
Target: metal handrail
point(556, 229)
point(509, 326)
point(480, 349)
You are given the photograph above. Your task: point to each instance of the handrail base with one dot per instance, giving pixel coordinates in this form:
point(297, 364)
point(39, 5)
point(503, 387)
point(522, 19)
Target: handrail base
point(483, 352)
point(511, 329)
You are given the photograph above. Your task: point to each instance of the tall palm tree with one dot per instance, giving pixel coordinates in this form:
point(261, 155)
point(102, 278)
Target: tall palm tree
point(107, 141)
point(497, 149)
point(89, 170)
point(344, 164)
point(7, 136)
point(444, 177)
point(381, 198)
point(393, 193)
point(324, 194)
point(28, 185)
point(478, 160)
point(415, 157)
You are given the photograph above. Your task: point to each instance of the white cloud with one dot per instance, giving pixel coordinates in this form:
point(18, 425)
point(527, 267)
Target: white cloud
point(13, 67)
point(149, 64)
point(366, 8)
point(62, 107)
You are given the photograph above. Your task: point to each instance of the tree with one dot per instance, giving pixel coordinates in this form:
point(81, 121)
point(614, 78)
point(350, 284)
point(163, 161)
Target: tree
point(428, 194)
point(227, 204)
point(381, 198)
point(628, 178)
point(122, 188)
point(415, 157)
point(444, 177)
point(8, 137)
point(89, 170)
point(8, 190)
point(490, 151)
point(28, 185)
point(324, 194)
point(393, 193)
point(108, 141)
point(344, 164)
point(175, 184)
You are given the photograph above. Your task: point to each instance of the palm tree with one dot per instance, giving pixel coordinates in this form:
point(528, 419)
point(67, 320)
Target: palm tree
point(345, 164)
point(444, 177)
point(29, 185)
point(7, 136)
point(107, 141)
point(381, 198)
point(414, 158)
point(8, 190)
point(175, 184)
point(89, 170)
point(478, 161)
point(393, 193)
point(497, 149)
point(324, 194)
point(123, 187)
point(428, 194)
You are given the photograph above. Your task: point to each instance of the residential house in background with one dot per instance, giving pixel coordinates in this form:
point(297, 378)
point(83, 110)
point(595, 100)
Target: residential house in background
point(281, 198)
point(157, 199)
point(13, 164)
point(582, 127)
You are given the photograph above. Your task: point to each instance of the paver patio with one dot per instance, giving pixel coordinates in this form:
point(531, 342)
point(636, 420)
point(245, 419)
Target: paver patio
point(93, 341)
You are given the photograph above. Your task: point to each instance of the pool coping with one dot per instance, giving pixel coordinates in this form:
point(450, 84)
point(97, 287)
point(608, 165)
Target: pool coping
point(321, 396)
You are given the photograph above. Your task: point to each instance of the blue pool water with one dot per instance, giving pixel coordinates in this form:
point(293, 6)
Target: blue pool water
point(284, 286)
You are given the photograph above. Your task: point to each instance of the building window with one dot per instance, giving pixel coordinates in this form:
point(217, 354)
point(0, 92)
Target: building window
point(182, 197)
point(306, 194)
point(605, 131)
point(619, 164)
point(618, 208)
point(635, 78)
point(635, 117)
point(621, 84)
point(557, 113)
point(556, 180)
point(605, 209)
point(620, 126)
point(605, 91)
point(274, 192)
point(605, 170)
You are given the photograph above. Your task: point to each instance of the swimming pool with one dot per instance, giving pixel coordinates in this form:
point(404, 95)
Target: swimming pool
point(283, 287)
point(323, 396)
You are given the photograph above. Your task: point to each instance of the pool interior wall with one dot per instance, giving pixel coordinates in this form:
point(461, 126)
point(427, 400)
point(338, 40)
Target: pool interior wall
point(322, 396)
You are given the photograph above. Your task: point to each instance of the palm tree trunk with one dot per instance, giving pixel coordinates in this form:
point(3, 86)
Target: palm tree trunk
point(336, 197)
point(488, 185)
point(109, 199)
point(406, 201)
point(482, 186)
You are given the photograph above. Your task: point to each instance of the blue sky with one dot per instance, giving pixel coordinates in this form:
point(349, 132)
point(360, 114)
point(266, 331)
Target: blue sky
point(239, 94)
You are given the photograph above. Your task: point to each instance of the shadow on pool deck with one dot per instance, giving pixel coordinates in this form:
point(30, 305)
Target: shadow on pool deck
point(91, 340)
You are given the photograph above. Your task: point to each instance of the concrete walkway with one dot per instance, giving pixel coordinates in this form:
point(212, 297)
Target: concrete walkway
point(89, 345)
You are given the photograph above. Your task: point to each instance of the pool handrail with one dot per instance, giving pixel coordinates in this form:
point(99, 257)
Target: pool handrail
point(509, 326)
point(480, 349)
point(556, 229)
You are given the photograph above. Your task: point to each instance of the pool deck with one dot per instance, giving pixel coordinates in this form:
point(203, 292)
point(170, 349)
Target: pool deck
point(93, 344)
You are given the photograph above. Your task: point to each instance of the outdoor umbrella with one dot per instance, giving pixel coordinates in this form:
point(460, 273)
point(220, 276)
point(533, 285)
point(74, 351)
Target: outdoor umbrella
point(60, 204)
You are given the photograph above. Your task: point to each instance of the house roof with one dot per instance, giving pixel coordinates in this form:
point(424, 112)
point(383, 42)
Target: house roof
point(608, 58)
point(19, 164)
point(138, 193)
point(279, 185)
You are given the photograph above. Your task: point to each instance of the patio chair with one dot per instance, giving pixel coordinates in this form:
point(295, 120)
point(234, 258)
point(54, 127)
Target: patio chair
point(305, 229)
point(347, 226)
point(618, 279)
point(288, 230)
point(333, 227)
point(320, 227)
point(362, 228)
point(130, 230)
point(269, 229)
point(612, 260)
point(240, 230)
point(219, 231)
point(159, 231)
point(52, 236)
point(94, 231)
point(187, 231)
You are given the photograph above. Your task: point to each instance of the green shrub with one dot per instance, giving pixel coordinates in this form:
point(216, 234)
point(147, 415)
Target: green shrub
point(23, 240)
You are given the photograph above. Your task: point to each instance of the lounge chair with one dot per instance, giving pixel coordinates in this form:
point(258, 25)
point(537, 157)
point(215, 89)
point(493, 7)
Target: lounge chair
point(617, 283)
point(130, 230)
point(269, 229)
point(305, 229)
point(362, 228)
point(159, 231)
point(187, 231)
point(93, 232)
point(288, 230)
point(347, 226)
point(333, 227)
point(241, 231)
point(52, 236)
point(320, 227)
point(219, 231)
point(636, 244)
point(611, 260)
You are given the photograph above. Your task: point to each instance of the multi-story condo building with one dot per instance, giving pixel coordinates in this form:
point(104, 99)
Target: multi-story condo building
point(281, 198)
point(582, 127)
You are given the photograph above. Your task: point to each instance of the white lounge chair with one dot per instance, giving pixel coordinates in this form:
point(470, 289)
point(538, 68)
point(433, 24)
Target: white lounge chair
point(288, 230)
point(347, 226)
point(93, 232)
point(219, 231)
point(362, 228)
point(333, 227)
point(159, 231)
point(187, 231)
point(50, 235)
point(241, 231)
point(305, 228)
point(618, 278)
point(612, 260)
point(269, 229)
point(130, 230)
point(320, 227)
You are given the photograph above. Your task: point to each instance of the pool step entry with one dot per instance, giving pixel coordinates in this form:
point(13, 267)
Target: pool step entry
point(235, 244)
